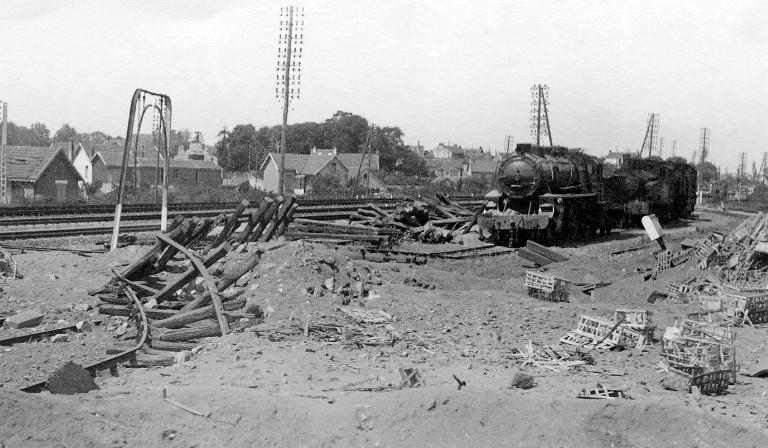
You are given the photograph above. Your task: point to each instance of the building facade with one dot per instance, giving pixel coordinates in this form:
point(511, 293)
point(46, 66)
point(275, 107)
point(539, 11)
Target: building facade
point(36, 173)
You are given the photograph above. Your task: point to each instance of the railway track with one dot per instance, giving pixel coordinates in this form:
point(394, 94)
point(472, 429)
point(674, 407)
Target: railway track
point(20, 222)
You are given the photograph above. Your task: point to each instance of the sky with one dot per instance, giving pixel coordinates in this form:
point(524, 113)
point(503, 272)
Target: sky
point(443, 71)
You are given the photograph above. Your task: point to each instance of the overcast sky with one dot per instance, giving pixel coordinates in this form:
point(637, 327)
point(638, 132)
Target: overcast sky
point(455, 71)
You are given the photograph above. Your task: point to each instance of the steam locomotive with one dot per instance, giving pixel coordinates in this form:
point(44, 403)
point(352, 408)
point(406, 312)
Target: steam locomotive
point(551, 193)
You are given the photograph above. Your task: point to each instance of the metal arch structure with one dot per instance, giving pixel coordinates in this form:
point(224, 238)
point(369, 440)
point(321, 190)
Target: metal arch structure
point(139, 96)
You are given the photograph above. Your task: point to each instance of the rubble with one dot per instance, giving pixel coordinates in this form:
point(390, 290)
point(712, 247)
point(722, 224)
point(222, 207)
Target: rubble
point(71, 379)
point(428, 220)
point(547, 287)
point(25, 319)
point(8, 269)
point(522, 380)
point(603, 393)
point(178, 308)
point(627, 329)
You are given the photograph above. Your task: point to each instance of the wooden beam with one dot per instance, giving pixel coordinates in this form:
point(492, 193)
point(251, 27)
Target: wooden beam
point(208, 280)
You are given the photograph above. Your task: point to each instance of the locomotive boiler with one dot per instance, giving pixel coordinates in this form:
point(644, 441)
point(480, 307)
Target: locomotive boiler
point(544, 193)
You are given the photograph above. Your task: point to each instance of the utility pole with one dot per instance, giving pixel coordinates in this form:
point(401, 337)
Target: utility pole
point(288, 71)
point(508, 140)
point(539, 112)
point(651, 135)
point(703, 145)
point(742, 169)
point(674, 146)
point(4, 199)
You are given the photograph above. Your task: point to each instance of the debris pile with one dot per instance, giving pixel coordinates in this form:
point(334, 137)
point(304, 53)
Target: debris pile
point(429, 220)
point(728, 273)
point(551, 357)
point(627, 329)
point(190, 282)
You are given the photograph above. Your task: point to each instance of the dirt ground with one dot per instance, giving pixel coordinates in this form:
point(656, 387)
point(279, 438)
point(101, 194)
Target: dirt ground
point(451, 319)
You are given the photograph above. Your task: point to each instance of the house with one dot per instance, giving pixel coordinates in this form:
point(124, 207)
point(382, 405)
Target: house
point(203, 173)
point(300, 171)
point(107, 166)
point(617, 159)
point(355, 162)
point(483, 168)
point(443, 151)
point(196, 151)
point(451, 169)
point(41, 173)
point(78, 155)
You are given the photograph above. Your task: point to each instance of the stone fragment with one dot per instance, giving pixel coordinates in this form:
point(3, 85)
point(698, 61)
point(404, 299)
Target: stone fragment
point(83, 307)
point(71, 379)
point(63, 337)
point(522, 380)
point(24, 319)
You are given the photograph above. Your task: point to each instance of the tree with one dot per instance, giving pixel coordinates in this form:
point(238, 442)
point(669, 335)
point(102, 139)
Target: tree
point(36, 135)
point(394, 156)
point(244, 148)
point(346, 132)
point(65, 133)
point(707, 172)
point(326, 186)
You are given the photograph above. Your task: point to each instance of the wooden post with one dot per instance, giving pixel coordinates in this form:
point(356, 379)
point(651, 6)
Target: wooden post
point(232, 223)
point(254, 220)
point(227, 280)
point(265, 219)
point(190, 274)
point(209, 282)
point(269, 231)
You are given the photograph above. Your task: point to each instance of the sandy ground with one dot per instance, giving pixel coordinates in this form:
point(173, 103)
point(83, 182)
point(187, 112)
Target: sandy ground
point(279, 388)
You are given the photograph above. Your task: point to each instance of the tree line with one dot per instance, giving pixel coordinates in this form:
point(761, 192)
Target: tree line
point(244, 147)
point(38, 134)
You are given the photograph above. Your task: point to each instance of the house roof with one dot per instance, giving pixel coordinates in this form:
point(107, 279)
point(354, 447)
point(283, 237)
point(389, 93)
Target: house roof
point(303, 164)
point(617, 155)
point(352, 161)
point(67, 146)
point(115, 159)
point(316, 162)
point(484, 166)
point(190, 163)
point(28, 163)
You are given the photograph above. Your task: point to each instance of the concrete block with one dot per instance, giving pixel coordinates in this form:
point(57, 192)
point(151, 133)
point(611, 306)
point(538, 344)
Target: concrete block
point(25, 319)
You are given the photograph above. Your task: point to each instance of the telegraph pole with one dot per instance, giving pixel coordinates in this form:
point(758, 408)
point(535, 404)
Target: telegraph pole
point(508, 143)
point(4, 156)
point(288, 72)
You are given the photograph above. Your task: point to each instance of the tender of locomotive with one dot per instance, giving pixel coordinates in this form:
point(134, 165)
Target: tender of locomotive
point(556, 193)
